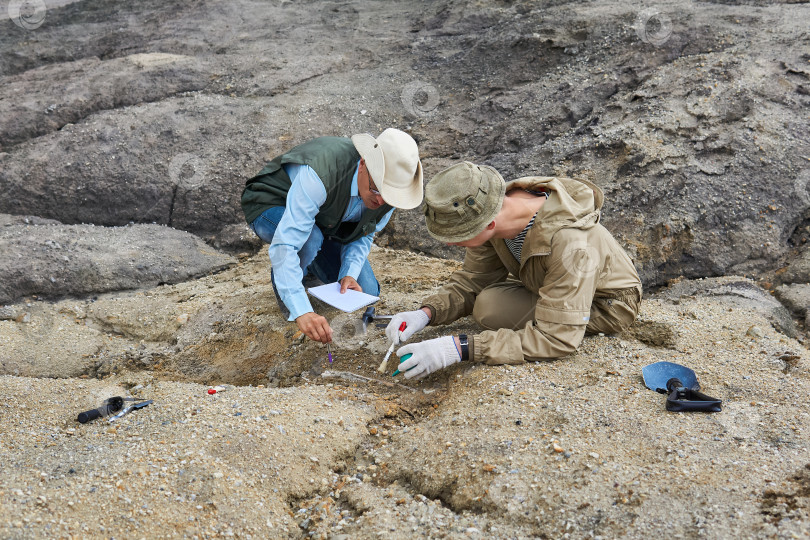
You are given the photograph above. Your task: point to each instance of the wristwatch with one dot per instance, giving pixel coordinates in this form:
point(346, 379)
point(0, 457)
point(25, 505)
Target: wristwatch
point(465, 347)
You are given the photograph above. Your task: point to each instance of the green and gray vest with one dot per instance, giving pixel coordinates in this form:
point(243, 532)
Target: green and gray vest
point(334, 159)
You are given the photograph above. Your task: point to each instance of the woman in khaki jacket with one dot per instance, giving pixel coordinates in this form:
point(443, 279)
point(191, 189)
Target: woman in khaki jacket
point(539, 273)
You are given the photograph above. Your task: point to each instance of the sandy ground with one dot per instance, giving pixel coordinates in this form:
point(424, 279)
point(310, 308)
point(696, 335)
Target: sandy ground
point(576, 447)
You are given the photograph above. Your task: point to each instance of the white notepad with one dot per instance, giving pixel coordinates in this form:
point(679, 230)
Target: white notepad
point(349, 301)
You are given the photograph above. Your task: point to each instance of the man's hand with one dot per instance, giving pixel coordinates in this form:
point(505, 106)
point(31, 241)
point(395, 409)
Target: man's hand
point(428, 356)
point(315, 327)
point(349, 282)
point(414, 322)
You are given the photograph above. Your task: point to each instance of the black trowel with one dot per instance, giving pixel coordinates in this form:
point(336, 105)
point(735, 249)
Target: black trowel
point(681, 385)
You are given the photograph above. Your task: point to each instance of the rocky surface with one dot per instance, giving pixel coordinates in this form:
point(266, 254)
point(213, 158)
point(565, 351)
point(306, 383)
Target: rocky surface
point(690, 115)
point(63, 260)
point(798, 270)
point(796, 297)
point(48, 98)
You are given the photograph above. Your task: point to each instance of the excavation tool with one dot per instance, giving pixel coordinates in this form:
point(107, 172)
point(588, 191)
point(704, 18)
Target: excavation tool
point(681, 386)
point(133, 407)
point(370, 316)
point(384, 363)
point(394, 374)
point(112, 406)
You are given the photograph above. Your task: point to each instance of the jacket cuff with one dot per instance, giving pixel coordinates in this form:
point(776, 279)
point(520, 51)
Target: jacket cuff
point(433, 314)
point(473, 345)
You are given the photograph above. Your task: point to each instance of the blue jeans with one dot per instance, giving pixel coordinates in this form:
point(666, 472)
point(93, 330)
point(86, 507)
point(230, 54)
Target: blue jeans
point(318, 255)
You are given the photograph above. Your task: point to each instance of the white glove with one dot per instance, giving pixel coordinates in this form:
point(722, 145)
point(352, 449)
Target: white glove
point(428, 356)
point(414, 321)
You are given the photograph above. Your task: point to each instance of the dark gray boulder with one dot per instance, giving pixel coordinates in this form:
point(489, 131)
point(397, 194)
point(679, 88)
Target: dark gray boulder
point(75, 260)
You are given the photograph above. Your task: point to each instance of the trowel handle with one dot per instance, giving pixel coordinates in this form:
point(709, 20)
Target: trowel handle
point(683, 399)
point(86, 416)
point(111, 406)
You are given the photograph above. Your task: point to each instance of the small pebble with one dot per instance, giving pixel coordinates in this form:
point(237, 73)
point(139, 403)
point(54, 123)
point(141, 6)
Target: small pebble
point(755, 332)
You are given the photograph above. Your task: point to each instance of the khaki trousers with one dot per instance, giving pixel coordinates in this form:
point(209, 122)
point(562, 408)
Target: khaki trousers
point(510, 305)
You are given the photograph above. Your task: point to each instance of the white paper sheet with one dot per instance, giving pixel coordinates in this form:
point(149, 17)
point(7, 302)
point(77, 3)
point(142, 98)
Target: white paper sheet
point(349, 301)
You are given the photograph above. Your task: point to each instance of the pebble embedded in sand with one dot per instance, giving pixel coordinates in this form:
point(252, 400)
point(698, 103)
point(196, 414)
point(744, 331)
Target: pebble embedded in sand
point(755, 331)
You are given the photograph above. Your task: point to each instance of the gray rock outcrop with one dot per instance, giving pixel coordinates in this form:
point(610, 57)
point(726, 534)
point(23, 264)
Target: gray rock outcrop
point(63, 260)
point(691, 116)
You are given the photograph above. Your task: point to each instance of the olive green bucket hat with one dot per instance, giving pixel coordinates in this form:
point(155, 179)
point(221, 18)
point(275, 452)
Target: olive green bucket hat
point(462, 200)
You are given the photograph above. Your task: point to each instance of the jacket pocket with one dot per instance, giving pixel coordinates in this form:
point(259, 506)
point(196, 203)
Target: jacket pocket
point(562, 316)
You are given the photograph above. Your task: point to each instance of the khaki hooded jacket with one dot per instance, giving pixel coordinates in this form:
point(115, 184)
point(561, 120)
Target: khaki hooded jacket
point(568, 259)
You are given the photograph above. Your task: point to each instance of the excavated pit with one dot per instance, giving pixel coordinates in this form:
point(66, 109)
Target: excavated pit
point(224, 328)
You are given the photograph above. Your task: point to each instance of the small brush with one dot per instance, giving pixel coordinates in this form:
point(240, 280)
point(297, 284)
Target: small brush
point(384, 363)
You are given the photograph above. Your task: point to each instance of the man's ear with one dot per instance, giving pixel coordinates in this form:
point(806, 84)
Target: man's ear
point(491, 225)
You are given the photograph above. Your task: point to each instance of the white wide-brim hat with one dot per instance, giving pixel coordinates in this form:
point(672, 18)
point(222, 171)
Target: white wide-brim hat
point(392, 159)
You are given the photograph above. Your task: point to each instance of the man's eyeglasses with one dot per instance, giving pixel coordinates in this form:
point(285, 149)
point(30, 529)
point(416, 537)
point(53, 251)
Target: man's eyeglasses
point(372, 187)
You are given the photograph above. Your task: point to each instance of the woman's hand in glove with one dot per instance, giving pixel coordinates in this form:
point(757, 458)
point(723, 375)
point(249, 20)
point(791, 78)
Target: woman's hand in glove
point(414, 322)
point(428, 356)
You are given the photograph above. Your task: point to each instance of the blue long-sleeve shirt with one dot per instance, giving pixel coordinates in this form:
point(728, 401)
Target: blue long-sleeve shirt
point(297, 234)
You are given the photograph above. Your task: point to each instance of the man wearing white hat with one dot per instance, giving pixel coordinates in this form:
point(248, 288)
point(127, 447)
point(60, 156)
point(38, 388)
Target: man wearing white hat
point(319, 206)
